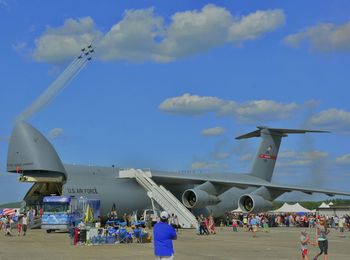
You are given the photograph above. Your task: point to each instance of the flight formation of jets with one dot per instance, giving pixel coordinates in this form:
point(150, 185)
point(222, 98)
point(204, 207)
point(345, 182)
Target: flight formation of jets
point(87, 51)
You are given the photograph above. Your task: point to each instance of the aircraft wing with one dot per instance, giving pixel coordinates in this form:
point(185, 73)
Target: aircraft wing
point(306, 190)
point(234, 180)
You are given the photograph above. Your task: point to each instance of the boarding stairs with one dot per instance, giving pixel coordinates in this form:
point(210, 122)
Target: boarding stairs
point(162, 196)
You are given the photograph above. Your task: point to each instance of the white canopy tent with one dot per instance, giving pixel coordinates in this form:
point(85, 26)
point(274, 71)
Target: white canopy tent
point(324, 205)
point(288, 208)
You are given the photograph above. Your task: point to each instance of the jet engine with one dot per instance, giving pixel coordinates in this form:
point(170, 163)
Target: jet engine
point(196, 198)
point(252, 203)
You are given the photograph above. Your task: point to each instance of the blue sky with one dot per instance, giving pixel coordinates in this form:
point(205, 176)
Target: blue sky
point(172, 83)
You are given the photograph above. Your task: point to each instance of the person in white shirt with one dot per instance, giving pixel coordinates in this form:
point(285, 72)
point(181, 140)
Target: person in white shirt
point(24, 224)
point(341, 226)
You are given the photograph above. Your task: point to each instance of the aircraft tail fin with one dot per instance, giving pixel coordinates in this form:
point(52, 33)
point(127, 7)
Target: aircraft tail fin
point(265, 159)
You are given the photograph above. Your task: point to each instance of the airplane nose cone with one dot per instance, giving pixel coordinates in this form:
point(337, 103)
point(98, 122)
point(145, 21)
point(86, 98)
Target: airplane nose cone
point(29, 150)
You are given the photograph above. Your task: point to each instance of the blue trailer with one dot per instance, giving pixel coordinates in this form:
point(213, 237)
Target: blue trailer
point(60, 212)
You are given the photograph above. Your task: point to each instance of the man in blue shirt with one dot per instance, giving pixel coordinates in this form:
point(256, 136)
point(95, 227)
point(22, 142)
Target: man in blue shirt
point(164, 234)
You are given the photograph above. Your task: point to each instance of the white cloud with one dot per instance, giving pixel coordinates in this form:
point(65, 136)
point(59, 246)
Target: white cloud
point(142, 35)
point(207, 165)
point(248, 112)
point(246, 157)
point(295, 158)
point(343, 160)
point(332, 119)
point(300, 162)
point(287, 154)
point(133, 38)
point(195, 31)
point(214, 131)
point(191, 104)
point(55, 133)
point(60, 44)
point(315, 155)
point(221, 155)
point(267, 109)
point(254, 25)
point(325, 37)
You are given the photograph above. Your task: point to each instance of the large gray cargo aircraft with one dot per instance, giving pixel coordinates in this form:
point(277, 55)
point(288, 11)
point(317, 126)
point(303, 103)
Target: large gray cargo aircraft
point(32, 156)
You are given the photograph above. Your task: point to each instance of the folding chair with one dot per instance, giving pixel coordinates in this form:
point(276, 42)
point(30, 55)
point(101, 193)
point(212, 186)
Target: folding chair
point(123, 235)
point(111, 231)
point(137, 235)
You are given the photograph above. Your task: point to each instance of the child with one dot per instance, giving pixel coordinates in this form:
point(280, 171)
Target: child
point(222, 225)
point(265, 225)
point(245, 223)
point(304, 241)
point(234, 225)
point(8, 226)
point(19, 225)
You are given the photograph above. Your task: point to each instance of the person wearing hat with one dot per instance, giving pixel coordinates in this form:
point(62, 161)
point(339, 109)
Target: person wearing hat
point(164, 234)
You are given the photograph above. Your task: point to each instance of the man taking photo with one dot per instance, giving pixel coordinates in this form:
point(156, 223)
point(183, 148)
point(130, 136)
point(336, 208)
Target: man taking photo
point(164, 234)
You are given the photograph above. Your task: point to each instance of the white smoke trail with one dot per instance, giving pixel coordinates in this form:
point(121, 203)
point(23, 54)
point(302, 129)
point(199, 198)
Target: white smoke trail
point(58, 85)
point(318, 169)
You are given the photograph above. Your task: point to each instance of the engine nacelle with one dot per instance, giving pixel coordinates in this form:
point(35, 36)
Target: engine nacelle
point(195, 198)
point(252, 203)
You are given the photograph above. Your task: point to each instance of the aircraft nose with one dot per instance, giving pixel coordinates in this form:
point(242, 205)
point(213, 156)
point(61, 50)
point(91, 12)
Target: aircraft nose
point(29, 150)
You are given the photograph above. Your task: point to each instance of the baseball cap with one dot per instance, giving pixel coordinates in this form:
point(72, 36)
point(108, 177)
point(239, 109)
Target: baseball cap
point(164, 215)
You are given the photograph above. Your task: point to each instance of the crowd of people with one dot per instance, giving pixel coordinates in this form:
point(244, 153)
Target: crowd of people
point(265, 220)
point(206, 225)
point(146, 220)
point(111, 233)
point(18, 221)
point(122, 228)
point(128, 229)
point(311, 223)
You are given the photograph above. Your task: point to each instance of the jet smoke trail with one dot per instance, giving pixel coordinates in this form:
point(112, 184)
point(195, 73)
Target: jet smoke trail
point(318, 169)
point(58, 85)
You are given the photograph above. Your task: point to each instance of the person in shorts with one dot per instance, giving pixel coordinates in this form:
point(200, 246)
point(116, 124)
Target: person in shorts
point(254, 224)
point(24, 223)
point(304, 241)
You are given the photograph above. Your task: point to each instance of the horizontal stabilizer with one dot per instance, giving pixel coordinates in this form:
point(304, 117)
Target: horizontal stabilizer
point(282, 131)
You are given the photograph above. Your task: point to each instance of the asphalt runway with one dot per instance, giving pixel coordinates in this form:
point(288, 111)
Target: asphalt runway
point(279, 243)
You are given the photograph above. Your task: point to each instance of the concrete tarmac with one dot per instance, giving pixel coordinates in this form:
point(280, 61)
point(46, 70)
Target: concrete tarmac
point(279, 243)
